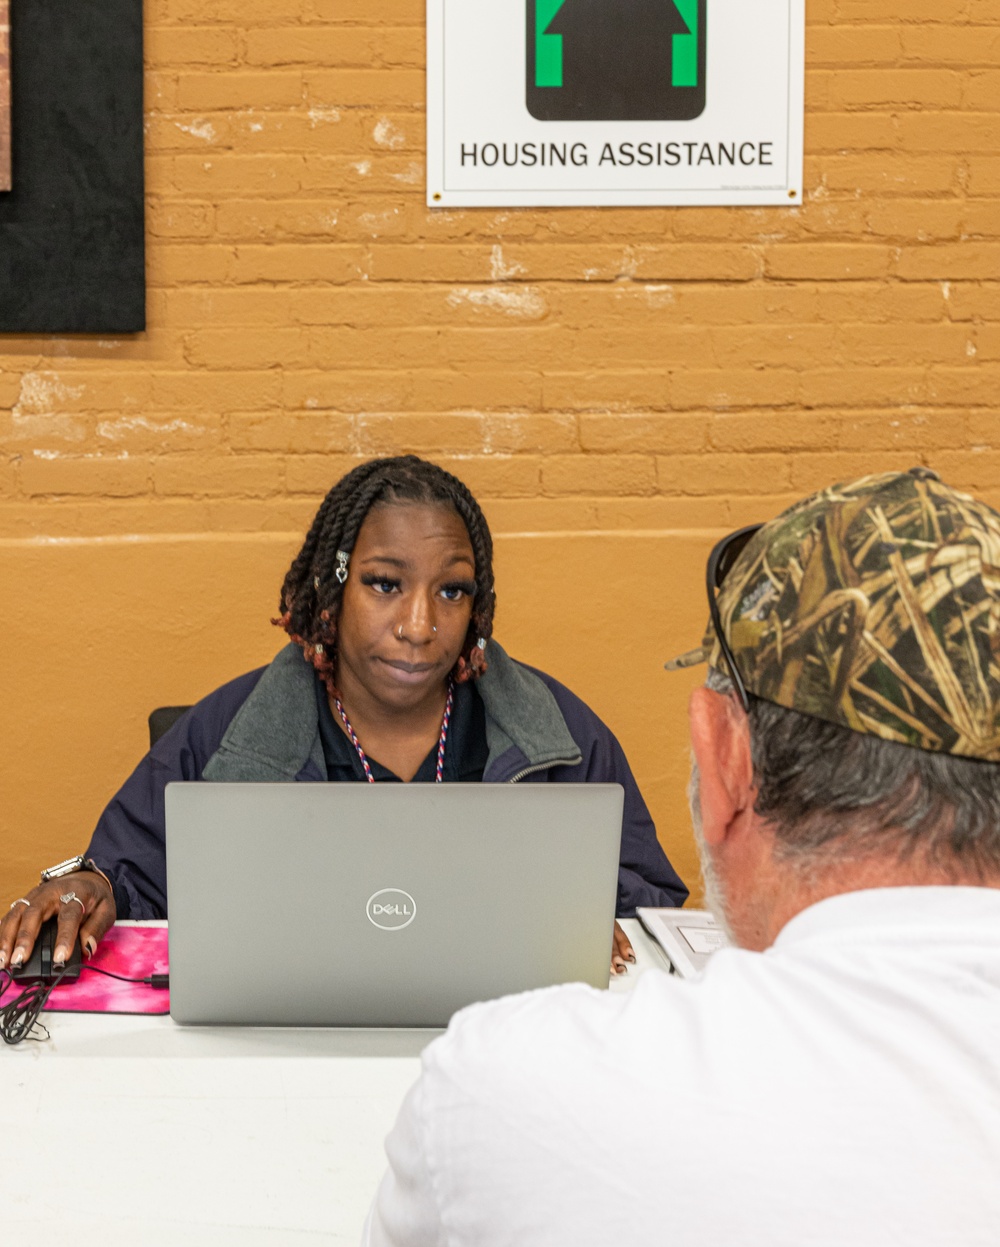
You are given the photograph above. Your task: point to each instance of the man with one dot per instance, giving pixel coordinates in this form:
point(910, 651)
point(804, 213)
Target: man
point(835, 1079)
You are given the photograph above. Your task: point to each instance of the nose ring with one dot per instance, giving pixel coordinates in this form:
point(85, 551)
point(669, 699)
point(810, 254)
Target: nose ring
point(399, 632)
point(433, 628)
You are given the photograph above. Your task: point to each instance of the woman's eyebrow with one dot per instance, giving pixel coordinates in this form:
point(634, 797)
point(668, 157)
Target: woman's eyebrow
point(385, 558)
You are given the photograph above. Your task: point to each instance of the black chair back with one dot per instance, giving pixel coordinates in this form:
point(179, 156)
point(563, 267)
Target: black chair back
point(162, 720)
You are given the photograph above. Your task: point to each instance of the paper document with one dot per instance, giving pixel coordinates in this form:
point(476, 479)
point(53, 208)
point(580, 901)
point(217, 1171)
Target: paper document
point(687, 936)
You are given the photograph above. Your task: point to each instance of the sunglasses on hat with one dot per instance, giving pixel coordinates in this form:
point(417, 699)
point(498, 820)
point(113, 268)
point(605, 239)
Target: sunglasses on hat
point(720, 563)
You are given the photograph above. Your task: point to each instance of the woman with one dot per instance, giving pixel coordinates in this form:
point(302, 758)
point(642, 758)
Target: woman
point(390, 601)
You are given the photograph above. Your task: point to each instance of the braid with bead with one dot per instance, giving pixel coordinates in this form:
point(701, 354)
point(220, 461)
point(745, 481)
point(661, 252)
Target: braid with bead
point(311, 592)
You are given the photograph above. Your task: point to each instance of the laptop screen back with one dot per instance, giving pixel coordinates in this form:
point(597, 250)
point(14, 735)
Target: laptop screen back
point(384, 905)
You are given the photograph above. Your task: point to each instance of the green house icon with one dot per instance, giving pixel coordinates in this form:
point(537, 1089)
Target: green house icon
point(615, 60)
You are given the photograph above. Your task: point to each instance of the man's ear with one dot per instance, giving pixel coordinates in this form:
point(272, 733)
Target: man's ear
point(720, 738)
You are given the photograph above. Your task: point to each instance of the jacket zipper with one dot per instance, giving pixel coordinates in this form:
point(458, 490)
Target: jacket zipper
point(544, 766)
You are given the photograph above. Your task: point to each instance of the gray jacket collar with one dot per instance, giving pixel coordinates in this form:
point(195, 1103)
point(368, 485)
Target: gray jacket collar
point(525, 729)
point(274, 735)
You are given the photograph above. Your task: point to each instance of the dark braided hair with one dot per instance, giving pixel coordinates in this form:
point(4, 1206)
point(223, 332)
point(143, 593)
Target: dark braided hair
point(311, 593)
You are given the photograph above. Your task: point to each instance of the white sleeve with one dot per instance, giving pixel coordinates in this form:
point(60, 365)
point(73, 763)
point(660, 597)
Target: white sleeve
point(405, 1212)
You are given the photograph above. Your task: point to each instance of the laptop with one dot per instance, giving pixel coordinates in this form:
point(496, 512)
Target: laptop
point(384, 904)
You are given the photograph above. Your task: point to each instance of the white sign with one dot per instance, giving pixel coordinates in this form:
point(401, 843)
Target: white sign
point(538, 102)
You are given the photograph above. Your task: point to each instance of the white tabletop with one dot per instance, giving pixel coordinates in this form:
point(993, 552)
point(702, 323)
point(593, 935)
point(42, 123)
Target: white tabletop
point(135, 1130)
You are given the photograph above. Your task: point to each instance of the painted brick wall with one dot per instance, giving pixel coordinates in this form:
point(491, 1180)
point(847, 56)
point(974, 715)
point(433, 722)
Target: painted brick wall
point(611, 368)
point(659, 374)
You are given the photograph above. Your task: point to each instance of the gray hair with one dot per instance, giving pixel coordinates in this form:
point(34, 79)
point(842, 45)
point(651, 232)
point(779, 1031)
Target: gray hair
point(830, 792)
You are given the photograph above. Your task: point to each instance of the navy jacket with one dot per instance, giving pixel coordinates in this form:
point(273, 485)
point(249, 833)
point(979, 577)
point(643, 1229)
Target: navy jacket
point(264, 726)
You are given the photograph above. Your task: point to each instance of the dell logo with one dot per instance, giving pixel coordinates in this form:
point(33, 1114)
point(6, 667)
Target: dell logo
point(391, 909)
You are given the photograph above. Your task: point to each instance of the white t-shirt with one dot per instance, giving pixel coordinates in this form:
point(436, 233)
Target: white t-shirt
point(840, 1090)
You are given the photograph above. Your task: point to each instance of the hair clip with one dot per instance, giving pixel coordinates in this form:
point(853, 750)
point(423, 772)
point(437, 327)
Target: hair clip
point(316, 583)
point(481, 642)
point(319, 649)
point(342, 560)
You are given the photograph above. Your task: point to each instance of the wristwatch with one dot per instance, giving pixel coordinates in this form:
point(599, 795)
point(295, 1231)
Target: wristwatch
point(69, 867)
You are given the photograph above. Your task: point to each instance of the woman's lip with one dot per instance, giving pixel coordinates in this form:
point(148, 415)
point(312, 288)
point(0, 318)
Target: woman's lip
point(414, 671)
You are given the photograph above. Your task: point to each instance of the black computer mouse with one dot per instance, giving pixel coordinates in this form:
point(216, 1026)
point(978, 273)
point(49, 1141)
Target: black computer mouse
point(38, 967)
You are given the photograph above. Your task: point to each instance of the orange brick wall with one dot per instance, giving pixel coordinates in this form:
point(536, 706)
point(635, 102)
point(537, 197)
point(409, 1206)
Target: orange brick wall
point(657, 370)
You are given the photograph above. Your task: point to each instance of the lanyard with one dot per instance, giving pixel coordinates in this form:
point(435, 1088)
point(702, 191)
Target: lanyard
point(445, 721)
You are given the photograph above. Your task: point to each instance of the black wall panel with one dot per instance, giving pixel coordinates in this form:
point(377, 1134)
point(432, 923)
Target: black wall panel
point(72, 256)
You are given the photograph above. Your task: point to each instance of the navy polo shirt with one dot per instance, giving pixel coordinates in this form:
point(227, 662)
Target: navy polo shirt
point(465, 750)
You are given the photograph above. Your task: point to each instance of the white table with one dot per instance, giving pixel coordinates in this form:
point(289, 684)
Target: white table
point(131, 1130)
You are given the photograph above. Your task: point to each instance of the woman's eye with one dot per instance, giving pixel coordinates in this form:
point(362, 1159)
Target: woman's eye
point(455, 593)
point(381, 585)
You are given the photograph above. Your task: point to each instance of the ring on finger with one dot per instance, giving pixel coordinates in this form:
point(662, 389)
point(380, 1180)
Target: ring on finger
point(21, 901)
point(67, 897)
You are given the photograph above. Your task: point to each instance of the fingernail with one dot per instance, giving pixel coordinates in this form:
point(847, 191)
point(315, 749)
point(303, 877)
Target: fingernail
point(90, 946)
point(59, 956)
point(59, 966)
point(631, 958)
point(17, 958)
point(3, 960)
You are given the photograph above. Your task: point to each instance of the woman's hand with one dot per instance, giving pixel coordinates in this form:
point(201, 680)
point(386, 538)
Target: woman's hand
point(621, 952)
point(87, 920)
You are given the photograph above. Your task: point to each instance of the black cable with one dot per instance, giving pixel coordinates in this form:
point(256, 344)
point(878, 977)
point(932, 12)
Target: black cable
point(20, 1016)
point(152, 980)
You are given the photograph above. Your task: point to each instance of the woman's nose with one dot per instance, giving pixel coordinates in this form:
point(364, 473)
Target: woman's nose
point(417, 623)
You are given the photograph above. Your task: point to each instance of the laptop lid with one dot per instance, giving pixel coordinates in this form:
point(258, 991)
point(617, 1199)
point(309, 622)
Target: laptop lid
point(384, 904)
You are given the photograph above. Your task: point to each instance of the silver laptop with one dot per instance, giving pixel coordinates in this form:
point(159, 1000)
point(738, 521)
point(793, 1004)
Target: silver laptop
point(384, 904)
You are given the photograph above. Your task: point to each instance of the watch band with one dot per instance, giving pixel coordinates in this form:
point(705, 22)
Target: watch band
point(69, 867)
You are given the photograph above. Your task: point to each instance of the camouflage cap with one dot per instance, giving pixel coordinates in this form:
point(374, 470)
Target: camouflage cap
point(875, 605)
